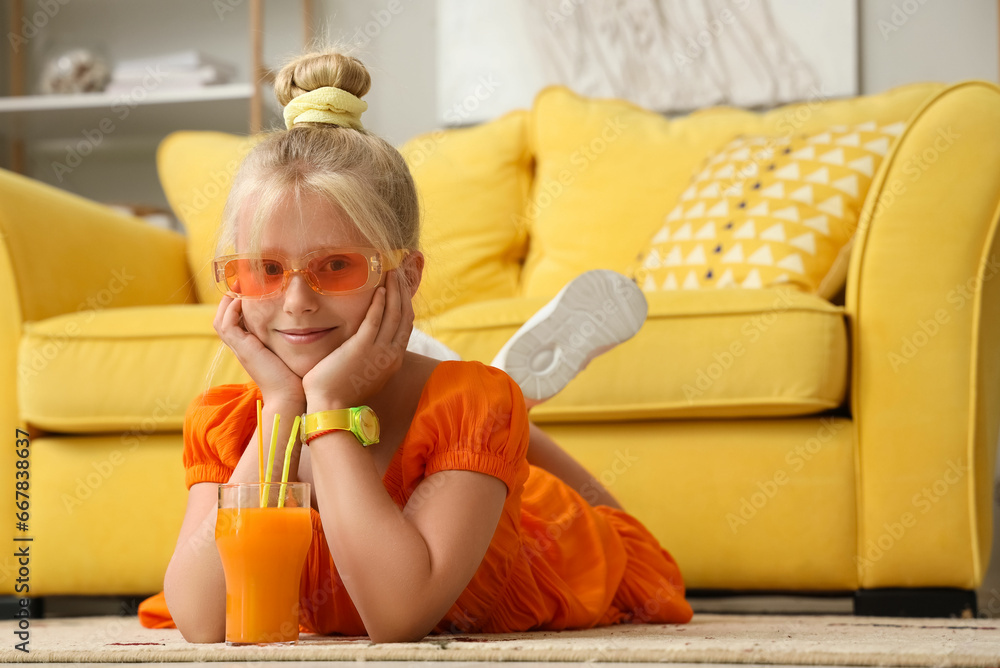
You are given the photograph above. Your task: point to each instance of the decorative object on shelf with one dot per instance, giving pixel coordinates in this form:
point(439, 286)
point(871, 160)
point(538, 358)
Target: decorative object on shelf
point(177, 70)
point(75, 71)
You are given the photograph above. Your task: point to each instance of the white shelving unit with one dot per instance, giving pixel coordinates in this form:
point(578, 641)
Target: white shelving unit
point(34, 117)
point(110, 138)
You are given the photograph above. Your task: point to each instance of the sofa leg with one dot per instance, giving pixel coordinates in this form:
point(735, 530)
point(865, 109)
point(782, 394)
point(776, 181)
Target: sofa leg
point(904, 602)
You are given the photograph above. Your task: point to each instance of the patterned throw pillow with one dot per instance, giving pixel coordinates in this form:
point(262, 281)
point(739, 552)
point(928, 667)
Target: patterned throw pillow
point(769, 210)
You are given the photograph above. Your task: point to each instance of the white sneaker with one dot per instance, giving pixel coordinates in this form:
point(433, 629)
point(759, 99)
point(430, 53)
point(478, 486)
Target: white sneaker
point(593, 313)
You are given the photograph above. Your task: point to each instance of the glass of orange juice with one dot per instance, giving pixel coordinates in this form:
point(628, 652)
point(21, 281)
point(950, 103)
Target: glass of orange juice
point(263, 549)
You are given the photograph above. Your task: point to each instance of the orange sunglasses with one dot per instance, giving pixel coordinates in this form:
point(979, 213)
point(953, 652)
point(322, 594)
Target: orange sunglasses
point(328, 271)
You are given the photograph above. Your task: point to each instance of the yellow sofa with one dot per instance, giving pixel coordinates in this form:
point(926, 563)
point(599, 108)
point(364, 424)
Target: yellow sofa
point(771, 439)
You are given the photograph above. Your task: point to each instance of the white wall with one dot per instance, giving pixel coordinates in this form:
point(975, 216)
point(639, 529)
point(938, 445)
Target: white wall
point(935, 40)
point(398, 40)
point(903, 41)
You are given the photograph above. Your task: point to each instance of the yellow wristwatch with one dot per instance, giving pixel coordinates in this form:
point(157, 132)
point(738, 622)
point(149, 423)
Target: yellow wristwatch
point(360, 421)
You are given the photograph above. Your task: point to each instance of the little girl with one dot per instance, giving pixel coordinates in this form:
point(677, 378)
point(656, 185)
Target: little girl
point(442, 525)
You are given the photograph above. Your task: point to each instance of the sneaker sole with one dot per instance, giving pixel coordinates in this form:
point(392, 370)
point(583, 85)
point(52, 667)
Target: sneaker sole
point(593, 313)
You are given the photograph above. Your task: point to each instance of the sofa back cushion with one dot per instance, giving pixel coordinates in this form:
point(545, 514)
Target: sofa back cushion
point(608, 173)
point(473, 185)
point(196, 170)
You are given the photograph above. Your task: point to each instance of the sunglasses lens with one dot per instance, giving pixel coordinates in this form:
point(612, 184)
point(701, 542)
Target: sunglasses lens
point(254, 278)
point(340, 271)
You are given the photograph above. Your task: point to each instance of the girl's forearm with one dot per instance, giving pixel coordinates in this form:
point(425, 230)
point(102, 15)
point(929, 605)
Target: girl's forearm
point(194, 585)
point(380, 556)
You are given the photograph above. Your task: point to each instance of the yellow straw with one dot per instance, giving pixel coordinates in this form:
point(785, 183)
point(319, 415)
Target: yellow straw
point(270, 458)
point(288, 461)
point(260, 447)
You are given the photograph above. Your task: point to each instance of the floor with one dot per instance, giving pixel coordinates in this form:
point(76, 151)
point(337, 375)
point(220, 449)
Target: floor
point(734, 604)
point(57, 606)
point(439, 664)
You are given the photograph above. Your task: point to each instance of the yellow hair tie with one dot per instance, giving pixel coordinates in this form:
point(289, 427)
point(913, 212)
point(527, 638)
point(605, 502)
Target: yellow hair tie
point(326, 105)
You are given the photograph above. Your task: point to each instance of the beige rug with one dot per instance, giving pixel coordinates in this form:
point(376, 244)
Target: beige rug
point(708, 638)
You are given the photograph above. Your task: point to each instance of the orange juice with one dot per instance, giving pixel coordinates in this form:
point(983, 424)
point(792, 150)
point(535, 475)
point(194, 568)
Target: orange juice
point(263, 551)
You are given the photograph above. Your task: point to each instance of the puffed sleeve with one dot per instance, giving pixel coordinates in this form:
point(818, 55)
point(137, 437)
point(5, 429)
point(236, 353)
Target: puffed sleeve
point(218, 424)
point(479, 423)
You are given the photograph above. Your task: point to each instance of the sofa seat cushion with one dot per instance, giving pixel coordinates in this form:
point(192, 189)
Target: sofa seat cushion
point(711, 353)
point(130, 370)
point(701, 353)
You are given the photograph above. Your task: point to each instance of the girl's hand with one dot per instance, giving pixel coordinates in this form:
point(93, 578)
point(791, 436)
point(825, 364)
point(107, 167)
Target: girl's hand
point(361, 366)
point(275, 380)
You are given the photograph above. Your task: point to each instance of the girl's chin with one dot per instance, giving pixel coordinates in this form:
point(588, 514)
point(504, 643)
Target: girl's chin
point(297, 359)
point(302, 363)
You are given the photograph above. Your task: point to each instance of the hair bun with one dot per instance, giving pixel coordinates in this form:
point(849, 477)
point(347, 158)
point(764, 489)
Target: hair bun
point(318, 69)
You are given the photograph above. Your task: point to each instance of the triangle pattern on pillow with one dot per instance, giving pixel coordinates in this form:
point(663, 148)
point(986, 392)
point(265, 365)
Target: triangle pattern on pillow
point(764, 211)
point(734, 254)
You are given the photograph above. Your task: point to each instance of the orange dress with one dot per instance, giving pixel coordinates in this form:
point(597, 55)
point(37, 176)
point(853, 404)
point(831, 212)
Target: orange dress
point(555, 562)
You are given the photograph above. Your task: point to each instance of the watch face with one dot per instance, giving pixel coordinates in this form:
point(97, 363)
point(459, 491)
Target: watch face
point(368, 423)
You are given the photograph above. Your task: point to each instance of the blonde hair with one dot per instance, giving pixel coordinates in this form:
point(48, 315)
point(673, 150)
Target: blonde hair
point(355, 170)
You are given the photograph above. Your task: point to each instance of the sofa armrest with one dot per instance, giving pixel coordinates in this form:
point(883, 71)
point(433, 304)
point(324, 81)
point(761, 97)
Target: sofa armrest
point(923, 300)
point(60, 253)
point(66, 253)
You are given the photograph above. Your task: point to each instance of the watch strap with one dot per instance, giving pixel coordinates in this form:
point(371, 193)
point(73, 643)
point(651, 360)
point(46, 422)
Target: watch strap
point(323, 422)
point(340, 418)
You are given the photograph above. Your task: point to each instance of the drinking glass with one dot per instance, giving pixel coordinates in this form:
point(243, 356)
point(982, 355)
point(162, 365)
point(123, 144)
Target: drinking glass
point(263, 532)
